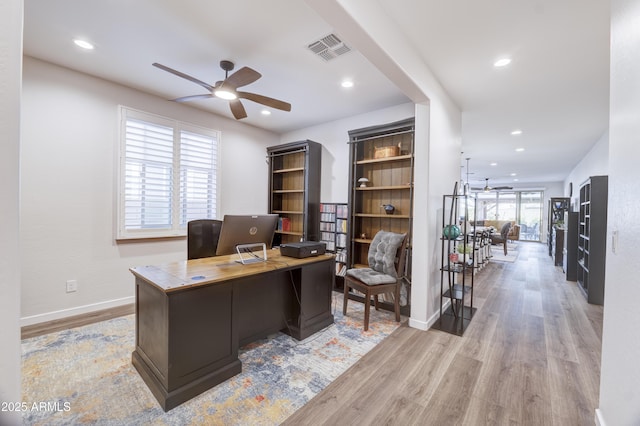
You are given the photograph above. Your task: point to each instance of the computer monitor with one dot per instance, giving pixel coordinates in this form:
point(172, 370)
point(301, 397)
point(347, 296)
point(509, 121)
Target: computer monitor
point(246, 229)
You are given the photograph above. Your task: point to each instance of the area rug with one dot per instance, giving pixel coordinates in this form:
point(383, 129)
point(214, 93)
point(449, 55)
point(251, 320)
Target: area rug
point(84, 375)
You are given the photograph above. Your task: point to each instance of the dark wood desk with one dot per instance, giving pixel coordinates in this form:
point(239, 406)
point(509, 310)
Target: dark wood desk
point(192, 316)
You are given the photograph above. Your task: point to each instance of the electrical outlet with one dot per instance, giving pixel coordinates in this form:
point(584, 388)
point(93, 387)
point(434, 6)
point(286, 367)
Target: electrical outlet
point(72, 285)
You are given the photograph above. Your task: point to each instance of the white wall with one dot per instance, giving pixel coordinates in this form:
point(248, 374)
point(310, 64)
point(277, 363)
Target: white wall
point(69, 165)
point(595, 163)
point(335, 151)
point(11, 14)
point(620, 369)
point(438, 133)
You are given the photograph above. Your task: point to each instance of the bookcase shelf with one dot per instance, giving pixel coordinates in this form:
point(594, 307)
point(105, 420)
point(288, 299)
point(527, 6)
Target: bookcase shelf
point(592, 238)
point(333, 232)
point(294, 190)
point(389, 182)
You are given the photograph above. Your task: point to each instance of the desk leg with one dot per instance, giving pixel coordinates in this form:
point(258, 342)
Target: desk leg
point(314, 285)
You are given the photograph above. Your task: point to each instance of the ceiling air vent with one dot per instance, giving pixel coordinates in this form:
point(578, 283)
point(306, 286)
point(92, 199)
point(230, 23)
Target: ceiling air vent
point(329, 47)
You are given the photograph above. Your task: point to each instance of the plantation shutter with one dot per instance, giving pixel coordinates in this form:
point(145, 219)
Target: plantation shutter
point(168, 175)
point(148, 175)
point(198, 183)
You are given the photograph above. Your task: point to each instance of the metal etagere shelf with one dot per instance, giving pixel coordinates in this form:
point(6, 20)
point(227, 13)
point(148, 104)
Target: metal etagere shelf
point(458, 263)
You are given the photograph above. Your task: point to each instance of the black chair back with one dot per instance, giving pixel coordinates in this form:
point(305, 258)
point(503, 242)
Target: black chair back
point(202, 238)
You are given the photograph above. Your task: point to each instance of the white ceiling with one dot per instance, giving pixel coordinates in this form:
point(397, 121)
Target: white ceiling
point(555, 90)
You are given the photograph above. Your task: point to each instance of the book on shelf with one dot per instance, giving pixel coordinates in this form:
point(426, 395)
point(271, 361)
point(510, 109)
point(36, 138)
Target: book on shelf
point(284, 224)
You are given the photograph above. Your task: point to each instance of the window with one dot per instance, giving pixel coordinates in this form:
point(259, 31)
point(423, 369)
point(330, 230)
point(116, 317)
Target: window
point(168, 175)
point(523, 207)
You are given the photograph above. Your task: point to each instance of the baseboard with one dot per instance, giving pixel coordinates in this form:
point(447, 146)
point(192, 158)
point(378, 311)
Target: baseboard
point(79, 310)
point(422, 325)
point(599, 419)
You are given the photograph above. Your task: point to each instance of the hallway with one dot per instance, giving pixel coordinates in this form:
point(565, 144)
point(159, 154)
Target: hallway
point(531, 356)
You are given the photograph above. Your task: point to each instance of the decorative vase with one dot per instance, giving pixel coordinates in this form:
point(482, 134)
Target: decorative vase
point(451, 232)
point(388, 208)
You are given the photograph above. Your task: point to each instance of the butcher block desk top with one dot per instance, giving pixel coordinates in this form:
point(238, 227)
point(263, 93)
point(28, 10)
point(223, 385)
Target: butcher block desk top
point(185, 274)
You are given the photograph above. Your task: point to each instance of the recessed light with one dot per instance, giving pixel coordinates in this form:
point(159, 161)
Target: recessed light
point(346, 84)
point(502, 62)
point(515, 180)
point(265, 112)
point(84, 44)
point(516, 132)
point(493, 164)
point(514, 174)
point(519, 149)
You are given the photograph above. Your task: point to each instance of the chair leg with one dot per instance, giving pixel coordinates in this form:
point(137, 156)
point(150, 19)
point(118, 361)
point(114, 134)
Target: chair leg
point(396, 304)
point(345, 298)
point(367, 309)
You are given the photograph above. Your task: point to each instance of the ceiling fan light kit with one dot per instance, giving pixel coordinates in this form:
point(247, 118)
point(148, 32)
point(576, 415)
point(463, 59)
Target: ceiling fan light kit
point(227, 89)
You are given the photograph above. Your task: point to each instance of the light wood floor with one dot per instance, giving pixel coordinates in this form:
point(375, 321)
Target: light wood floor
point(531, 356)
point(76, 321)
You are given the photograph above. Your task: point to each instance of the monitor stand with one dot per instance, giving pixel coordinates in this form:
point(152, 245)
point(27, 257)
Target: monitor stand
point(249, 252)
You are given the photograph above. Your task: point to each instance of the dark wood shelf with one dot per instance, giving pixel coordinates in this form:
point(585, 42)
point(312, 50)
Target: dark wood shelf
point(592, 239)
point(386, 159)
point(390, 183)
point(294, 190)
point(383, 188)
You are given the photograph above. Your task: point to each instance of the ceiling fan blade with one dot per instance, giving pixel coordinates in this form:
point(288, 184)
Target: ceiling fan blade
point(265, 100)
point(502, 187)
point(192, 97)
point(237, 109)
point(242, 77)
point(183, 75)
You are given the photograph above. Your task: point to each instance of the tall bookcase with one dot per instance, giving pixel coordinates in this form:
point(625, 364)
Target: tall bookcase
point(294, 190)
point(592, 238)
point(383, 156)
point(333, 232)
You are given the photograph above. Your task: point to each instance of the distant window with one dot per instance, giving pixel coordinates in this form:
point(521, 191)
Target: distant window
point(168, 175)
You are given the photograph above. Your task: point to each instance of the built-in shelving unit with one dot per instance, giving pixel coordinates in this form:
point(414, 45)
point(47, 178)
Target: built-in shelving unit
point(294, 187)
point(383, 156)
point(592, 238)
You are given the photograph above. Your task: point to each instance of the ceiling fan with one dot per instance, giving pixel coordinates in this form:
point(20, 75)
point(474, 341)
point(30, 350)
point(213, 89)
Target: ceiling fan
point(488, 188)
point(227, 89)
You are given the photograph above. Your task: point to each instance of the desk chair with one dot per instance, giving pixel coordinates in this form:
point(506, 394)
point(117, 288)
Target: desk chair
point(386, 259)
point(202, 238)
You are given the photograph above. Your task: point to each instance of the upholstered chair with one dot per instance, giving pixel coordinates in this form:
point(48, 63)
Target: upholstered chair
point(386, 258)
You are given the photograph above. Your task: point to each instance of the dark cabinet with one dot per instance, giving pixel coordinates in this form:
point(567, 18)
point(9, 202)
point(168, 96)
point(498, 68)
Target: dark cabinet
point(570, 258)
point(294, 190)
point(592, 238)
point(557, 245)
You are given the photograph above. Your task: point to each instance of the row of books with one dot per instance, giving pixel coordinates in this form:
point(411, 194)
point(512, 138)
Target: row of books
point(341, 269)
point(339, 225)
point(340, 240)
point(327, 217)
point(340, 210)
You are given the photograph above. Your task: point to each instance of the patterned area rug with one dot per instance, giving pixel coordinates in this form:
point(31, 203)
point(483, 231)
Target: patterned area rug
point(84, 375)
